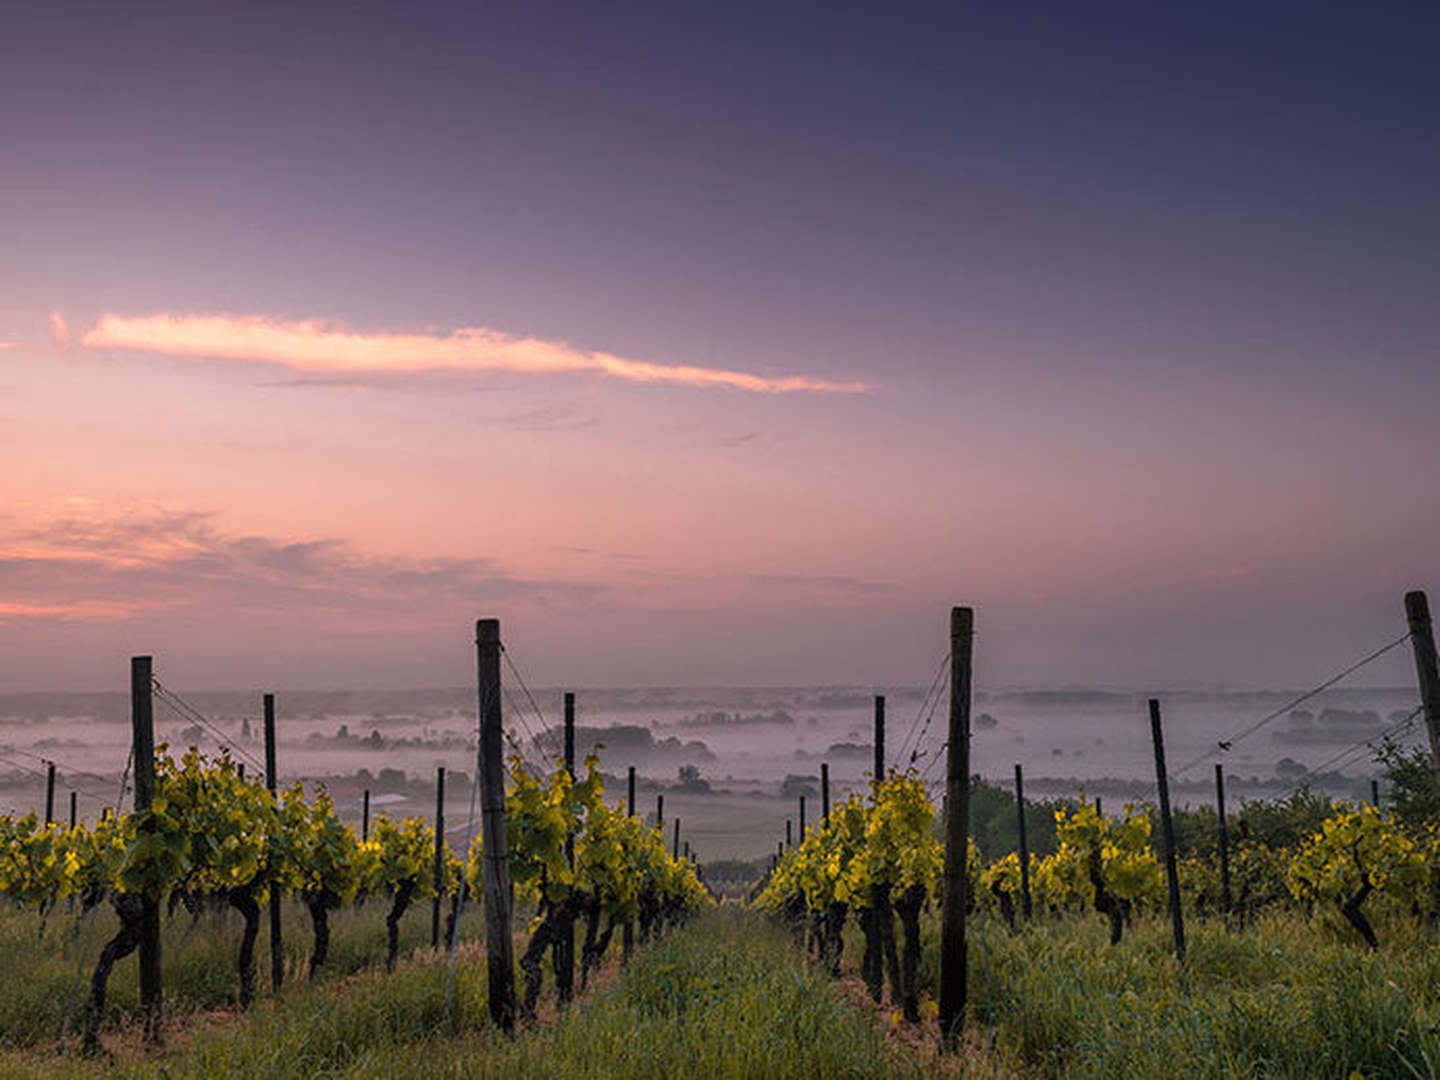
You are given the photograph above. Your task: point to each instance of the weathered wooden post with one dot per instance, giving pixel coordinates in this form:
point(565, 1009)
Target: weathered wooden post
point(499, 948)
point(72, 810)
point(957, 831)
point(627, 932)
point(365, 817)
point(439, 856)
point(1224, 839)
point(1422, 638)
point(1172, 875)
point(240, 772)
point(1374, 793)
point(675, 844)
point(825, 790)
point(660, 814)
point(277, 949)
point(142, 729)
point(879, 738)
point(49, 792)
point(1098, 808)
point(687, 849)
point(802, 819)
point(1025, 906)
point(789, 832)
point(565, 969)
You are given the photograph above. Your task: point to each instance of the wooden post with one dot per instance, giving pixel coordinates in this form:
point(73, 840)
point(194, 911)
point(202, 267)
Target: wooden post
point(499, 947)
point(802, 819)
point(879, 738)
point(957, 831)
point(272, 776)
point(1422, 637)
point(72, 810)
point(1025, 905)
point(675, 844)
point(825, 790)
point(439, 855)
point(240, 771)
point(49, 792)
point(627, 932)
point(789, 832)
point(565, 976)
point(365, 817)
point(1098, 810)
point(142, 729)
point(1374, 793)
point(1224, 839)
point(687, 849)
point(660, 813)
point(1172, 875)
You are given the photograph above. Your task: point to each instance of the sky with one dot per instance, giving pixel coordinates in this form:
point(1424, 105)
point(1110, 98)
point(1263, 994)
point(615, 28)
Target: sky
point(723, 344)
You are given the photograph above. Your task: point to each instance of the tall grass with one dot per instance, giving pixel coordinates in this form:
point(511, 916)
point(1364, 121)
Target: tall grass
point(727, 996)
point(1286, 997)
point(48, 963)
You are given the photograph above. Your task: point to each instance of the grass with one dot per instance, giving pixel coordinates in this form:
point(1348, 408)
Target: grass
point(731, 996)
point(1288, 997)
point(727, 996)
point(57, 957)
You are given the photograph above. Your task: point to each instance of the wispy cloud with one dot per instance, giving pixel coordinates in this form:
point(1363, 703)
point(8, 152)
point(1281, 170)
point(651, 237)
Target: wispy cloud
point(316, 347)
point(819, 582)
point(98, 565)
point(59, 330)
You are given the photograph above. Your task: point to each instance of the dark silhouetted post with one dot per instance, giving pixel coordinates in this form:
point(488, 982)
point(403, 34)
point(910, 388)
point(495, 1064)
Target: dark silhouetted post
point(240, 772)
point(272, 776)
point(802, 819)
point(142, 727)
point(1422, 637)
point(957, 830)
point(1172, 875)
point(825, 790)
point(499, 947)
point(1098, 809)
point(1025, 905)
point(789, 832)
point(565, 974)
point(687, 849)
point(365, 816)
point(439, 856)
point(675, 844)
point(1374, 793)
point(879, 738)
point(1224, 839)
point(49, 792)
point(72, 810)
point(627, 932)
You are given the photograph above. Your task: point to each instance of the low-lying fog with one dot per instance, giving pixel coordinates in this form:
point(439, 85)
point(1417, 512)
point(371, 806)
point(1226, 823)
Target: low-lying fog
point(754, 749)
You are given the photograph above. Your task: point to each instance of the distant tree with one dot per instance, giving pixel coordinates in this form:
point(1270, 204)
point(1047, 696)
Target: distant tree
point(1412, 797)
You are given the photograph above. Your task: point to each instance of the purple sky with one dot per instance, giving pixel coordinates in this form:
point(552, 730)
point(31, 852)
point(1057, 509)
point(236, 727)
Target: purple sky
point(1119, 322)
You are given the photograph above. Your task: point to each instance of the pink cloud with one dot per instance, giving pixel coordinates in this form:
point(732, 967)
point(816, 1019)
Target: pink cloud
point(59, 330)
point(313, 346)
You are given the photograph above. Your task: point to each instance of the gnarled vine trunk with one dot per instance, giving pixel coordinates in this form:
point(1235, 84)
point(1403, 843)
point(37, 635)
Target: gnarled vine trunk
point(131, 909)
point(319, 905)
point(1105, 903)
point(908, 908)
point(244, 902)
point(834, 937)
point(398, 907)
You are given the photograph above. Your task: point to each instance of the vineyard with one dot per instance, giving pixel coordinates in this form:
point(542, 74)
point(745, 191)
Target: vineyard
point(1294, 938)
